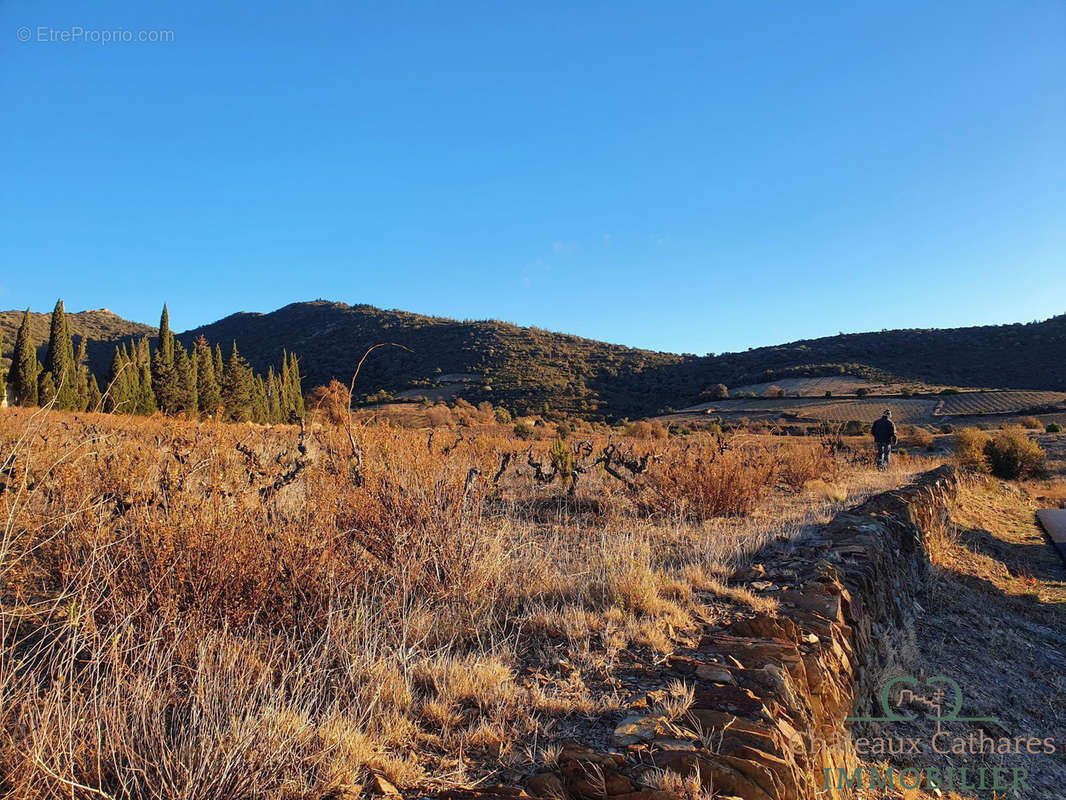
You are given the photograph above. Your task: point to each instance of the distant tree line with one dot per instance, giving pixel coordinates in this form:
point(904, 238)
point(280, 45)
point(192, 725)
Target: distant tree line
point(143, 380)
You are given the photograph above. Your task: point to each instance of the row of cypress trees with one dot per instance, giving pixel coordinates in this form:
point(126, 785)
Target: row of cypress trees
point(143, 380)
point(64, 377)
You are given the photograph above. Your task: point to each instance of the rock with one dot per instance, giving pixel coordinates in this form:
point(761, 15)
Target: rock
point(754, 572)
point(381, 786)
point(546, 785)
point(637, 728)
point(714, 673)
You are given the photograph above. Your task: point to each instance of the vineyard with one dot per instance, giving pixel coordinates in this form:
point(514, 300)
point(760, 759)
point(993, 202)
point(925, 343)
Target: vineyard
point(194, 610)
point(929, 409)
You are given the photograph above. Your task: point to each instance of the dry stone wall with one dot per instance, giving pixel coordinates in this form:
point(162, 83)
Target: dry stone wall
point(769, 686)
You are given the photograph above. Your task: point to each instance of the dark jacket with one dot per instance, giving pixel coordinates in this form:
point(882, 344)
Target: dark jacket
point(884, 431)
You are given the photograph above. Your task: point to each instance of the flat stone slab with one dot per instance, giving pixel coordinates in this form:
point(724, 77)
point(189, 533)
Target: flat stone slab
point(1054, 522)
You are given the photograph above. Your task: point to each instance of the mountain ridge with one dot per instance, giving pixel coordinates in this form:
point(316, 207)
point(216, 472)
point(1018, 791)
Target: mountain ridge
point(528, 368)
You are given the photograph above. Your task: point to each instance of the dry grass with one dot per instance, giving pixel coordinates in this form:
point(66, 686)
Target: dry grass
point(199, 610)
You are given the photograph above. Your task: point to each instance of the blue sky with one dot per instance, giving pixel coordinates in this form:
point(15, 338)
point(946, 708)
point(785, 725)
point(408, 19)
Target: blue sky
point(681, 176)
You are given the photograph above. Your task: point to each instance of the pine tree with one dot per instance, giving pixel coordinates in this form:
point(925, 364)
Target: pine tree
point(237, 388)
point(59, 362)
point(24, 366)
point(209, 397)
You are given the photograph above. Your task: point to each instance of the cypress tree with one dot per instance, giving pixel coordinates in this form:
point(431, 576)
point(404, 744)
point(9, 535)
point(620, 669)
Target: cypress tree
point(146, 404)
point(46, 388)
point(272, 396)
point(237, 388)
point(185, 384)
point(92, 393)
point(59, 362)
point(24, 366)
point(209, 397)
point(220, 370)
point(81, 374)
point(118, 384)
point(166, 383)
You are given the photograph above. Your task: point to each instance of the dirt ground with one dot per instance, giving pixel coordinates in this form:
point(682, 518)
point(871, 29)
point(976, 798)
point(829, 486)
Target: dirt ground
point(994, 621)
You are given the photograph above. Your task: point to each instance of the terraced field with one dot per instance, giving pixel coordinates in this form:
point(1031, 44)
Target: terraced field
point(996, 402)
point(868, 409)
point(974, 407)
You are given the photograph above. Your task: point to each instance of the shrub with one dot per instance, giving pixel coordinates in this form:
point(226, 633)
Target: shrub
point(1031, 422)
point(562, 458)
point(1012, 454)
point(775, 391)
point(854, 427)
point(330, 401)
point(523, 431)
point(719, 392)
point(1053, 427)
point(920, 438)
point(503, 416)
point(970, 449)
point(704, 483)
point(862, 391)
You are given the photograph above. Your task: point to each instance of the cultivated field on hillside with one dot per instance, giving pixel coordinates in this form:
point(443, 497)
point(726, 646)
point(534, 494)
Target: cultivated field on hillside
point(964, 408)
point(204, 610)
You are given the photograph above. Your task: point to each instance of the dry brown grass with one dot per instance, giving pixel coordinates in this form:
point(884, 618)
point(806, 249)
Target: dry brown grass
point(200, 610)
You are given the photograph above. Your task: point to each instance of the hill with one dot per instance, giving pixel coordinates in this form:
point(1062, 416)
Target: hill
point(1017, 356)
point(525, 369)
point(520, 368)
point(103, 328)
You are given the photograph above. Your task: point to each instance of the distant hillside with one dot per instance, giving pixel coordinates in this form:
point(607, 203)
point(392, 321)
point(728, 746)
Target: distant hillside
point(525, 369)
point(1020, 356)
point(103, 328)
point(521, 368)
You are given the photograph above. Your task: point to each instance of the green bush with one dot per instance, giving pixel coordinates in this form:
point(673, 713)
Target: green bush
point(523, 431)
point(1012, 454)
point(1053, 427)
point(719, 392)
point(503, 416)
point(562, 458)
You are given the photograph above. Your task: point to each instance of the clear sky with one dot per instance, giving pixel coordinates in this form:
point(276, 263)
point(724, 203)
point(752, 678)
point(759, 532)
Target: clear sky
point(682, 176)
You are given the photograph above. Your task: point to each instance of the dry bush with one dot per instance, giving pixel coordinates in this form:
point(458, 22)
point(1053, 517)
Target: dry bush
point(920, 439)
point(970, 449)
point(331, 402)
point(708, 481)
point(1012, 454)
point(800, 463)
point(1032, 423)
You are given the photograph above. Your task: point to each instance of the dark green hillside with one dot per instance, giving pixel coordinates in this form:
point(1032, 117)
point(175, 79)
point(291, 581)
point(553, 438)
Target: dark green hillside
point(521, 368)
point(1019, 356)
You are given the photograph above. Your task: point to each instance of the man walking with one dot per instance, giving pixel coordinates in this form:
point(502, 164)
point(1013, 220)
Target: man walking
point(884, 431)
